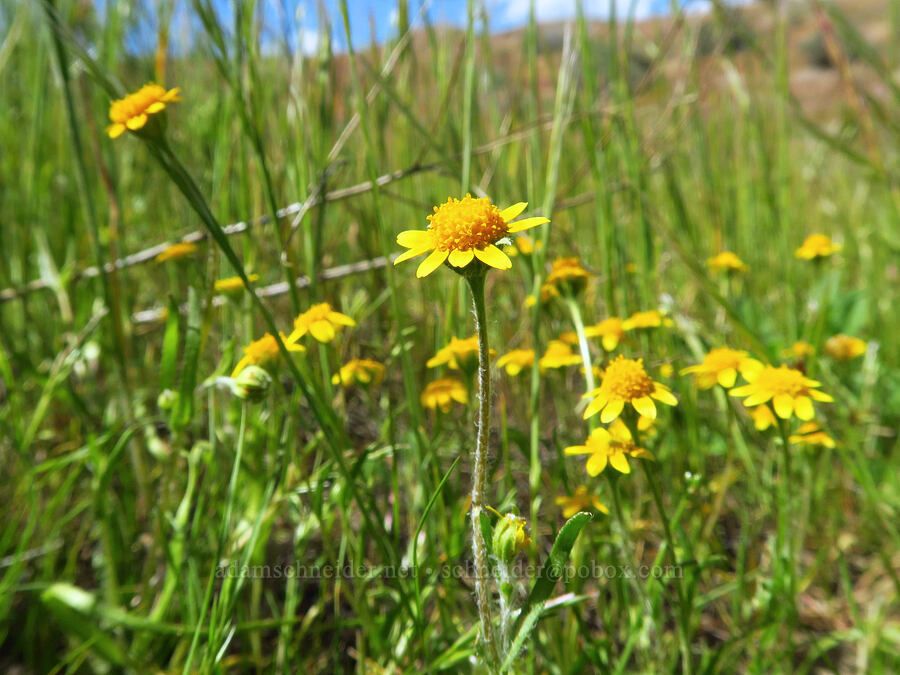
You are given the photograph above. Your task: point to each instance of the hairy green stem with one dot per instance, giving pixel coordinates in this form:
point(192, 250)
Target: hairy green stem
point(479, 471)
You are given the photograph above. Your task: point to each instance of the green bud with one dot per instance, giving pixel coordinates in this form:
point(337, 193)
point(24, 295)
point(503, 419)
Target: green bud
point(509, 537)
point(251, 384)
point(166, 399)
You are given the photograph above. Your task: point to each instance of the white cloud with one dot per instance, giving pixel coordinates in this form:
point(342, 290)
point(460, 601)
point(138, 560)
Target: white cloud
point(517, 11)
point(308, 40)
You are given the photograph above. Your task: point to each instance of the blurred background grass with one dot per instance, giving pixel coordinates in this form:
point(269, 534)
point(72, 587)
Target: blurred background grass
point(651, 146)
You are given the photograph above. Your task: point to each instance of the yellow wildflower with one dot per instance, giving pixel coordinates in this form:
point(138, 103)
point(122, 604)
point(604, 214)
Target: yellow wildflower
point(320, 321)
point(722, 365)
point(762, 416)
point(456, 353)
point(789, 390)
point(566, 273)
point(264, 352)
point(133, 111)
point(811, 433)
point(582, 500)
point(612, 447)
point(461, 230)
point(359, 371)
point(558, 355)
point(649, 319)
point(611, 331)
point(232, 284)
point(626, 381)
point(726, 261)
point(799, 350)
point(817, 246)
point(666, 369)
point(844, 348)
point(516, 360)
point(180, 250)
point(441, 394)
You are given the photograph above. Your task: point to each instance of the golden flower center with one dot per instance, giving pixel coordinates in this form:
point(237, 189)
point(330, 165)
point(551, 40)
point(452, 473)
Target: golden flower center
point(315, 313)
point(467, 223)
point(627, 379)
point(781, 380)
point(135, 104)
point(817, 242)
point(721, 359)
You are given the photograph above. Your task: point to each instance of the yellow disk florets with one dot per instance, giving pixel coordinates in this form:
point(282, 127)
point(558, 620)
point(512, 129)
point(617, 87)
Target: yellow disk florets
point(627, 379)
point(467, 223)
point(782, 380)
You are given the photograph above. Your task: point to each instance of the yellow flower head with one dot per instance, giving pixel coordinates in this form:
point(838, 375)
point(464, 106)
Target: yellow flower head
point(649, 319)
point(526, 245)
point(811, 433)
point(232, 284)
point(558, 355)
point(359, 371)
point(180, 250)
point(844, 348)
point(516, 360)
point(456, 353)
point(817, 246)
point(566, 273)
point(799, 350)
point(789, 390)
point(461, 230)
point(726, 261)
point(611, 331)
point(626, 381)
point(133, 111)
point(611, 447)
point(264, 352)
point(722, 365)
point(320, 321)
point(762, 416)
point(582, 500)
point(441, 394)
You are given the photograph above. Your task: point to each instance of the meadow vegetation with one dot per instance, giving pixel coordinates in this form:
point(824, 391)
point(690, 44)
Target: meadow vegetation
point(686, 370)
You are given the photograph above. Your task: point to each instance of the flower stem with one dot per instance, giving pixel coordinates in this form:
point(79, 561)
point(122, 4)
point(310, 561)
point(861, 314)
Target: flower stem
point(479, 548)
point(575, 311)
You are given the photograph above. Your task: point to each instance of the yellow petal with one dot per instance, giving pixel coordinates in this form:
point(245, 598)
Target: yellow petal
point(804, 408)
point(494, 257)
point(610, 342)
point(645, 406)
point(415, 239)
point(820, 396)
point(513, 211)
point(134, 123)
point(577, 450)
point(526, 224)
point(342, 319)
point(757, 398)
point(411, 253)
point(115, 130)
point(431, 263)
point(664, 396)
point(727, 377)
point(784, 405)
point(612, 410)
point(240, 366)
point(322, 331)
point(156, 107)
point(596, 463)
point(461, 258)
point(619, 462)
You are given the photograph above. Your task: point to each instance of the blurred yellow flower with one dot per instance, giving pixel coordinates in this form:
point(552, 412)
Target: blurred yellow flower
point(611, 330)
point(722, 365)
point(582, 500)
point(442, 392)
point(799, 350)
point(566, 273)
point(762, 416)
point(666, 369)
point(264, 352)
point(726, 261)
point(461, 230)
point(789, 390)
point(526, 245)
point(817, 246)
point(612, 447)
point(180, 250)
point(558, 355)
point(811, 433)
point(626, 381)
point(456, 353)
point(359, 371)
point(649, 319)
point(320, 321)
point(844, 347)
point(132, 112)
point(516, 360)
point(232, 284)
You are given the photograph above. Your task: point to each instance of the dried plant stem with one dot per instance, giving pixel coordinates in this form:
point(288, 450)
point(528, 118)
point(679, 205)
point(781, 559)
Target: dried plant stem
point(479, 478)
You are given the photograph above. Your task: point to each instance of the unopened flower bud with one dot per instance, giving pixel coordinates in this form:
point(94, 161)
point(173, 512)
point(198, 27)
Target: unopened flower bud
point(509, 537)
point(251, 384)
